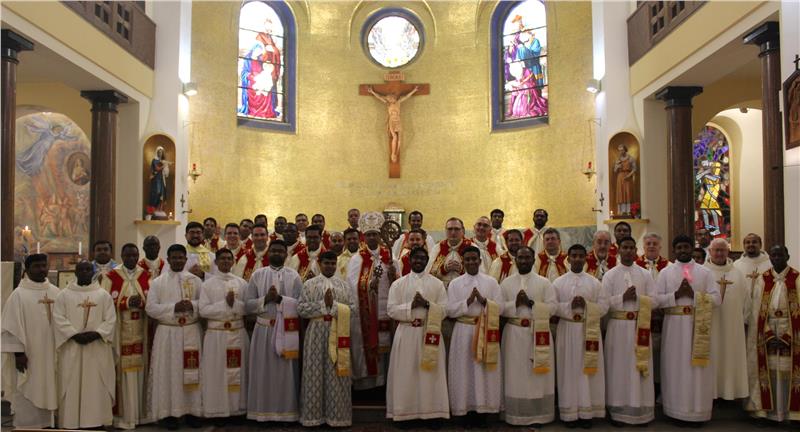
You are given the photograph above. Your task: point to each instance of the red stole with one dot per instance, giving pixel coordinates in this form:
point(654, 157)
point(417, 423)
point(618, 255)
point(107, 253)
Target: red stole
point(561, 265)
point(116, 286)
point(213, 244)
point(764, 337)
point(506, 262)
point(527, 235)
point(613, 250)
point(661, 263)
point(444, 250)
point(593, 263)
point(405, 264)
point(368, 307)
point(491, 248)
point(248, 244)
point(326, 240)
point(305, 260)
point(242, 250)
point(143, 264)
point(250, 265)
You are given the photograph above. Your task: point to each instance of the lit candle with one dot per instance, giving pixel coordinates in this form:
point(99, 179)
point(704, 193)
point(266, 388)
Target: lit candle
point(38, 249)
point(590, 165)
point(194, 167)
point(80, 248)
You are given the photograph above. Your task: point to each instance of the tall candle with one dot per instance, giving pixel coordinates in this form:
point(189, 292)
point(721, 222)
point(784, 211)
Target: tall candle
point(38, 250)
point(80, 248)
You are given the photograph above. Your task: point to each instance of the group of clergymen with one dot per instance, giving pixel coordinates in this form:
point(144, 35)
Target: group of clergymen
point(463, 327)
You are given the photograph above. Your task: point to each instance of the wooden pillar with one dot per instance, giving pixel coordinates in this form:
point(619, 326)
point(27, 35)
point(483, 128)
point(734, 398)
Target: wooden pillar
point(680, 179)
point(767, 38)
point(103, 176)
point(12, 44)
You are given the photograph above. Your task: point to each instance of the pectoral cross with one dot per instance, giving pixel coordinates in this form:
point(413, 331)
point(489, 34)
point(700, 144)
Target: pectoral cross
point(87, 306)
point(393, 93)
point(723, 285)
point(48, 303)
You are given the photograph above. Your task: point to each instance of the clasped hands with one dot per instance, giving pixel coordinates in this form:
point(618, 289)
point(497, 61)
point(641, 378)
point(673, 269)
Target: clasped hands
point(184, 306)
point(419, 301)
point(86, 337)
point(476, 295)
point(523, 299)
point(685, 290)
point(272, 296)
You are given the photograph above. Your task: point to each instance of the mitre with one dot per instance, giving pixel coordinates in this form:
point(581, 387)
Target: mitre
point(370, 221)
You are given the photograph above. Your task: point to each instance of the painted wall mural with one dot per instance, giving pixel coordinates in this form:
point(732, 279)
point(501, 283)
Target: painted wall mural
point(51, 190)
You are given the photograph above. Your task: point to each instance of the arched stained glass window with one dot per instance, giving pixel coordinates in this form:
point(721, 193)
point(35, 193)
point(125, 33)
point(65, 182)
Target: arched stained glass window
point(519, 64)
point(712, 182)
point(266, 82)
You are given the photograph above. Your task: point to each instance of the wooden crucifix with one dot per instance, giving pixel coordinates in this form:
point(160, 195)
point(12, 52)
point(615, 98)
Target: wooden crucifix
point(393, 93)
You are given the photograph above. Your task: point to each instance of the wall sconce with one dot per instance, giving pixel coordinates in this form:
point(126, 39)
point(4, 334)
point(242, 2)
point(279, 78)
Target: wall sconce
point(189, 89)
point(194, 173)
point(593, 86)
point(589, 171)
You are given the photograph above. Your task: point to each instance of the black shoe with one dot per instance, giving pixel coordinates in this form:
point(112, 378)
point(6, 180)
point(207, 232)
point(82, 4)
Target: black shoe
point(586, 423)
point(571, 424)
point(193, 422)
point(615, 423)
point(170, 423)
point(434, 424)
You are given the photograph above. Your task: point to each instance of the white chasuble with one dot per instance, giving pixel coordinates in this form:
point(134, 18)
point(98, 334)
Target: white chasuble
point(87, 381)
point(27, 328)
point(728, 342)
point(413, 392)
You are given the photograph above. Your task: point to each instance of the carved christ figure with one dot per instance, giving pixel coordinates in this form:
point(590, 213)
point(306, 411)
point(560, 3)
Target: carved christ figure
point(393, 123)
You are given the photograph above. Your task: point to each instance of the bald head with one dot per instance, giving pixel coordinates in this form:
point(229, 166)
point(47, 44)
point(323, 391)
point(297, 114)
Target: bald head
point(601, 242)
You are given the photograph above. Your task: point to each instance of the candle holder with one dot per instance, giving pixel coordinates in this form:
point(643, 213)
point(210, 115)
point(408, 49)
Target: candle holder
point(195, 173)
point(589, 172)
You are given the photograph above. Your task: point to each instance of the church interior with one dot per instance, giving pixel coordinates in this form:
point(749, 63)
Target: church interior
point(673, 116)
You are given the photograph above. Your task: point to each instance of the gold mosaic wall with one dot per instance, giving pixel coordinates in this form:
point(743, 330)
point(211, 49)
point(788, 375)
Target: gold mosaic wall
point(452, 163)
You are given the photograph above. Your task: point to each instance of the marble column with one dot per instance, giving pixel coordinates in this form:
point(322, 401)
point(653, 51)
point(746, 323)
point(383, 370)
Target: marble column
point(767, 38)
point(103, 177)
point(12, 44)
point(680, 175)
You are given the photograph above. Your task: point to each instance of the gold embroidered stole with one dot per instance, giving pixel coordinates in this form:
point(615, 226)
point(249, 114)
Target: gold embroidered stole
point(191, 342)
point(591, 349)
point(486, 339)
point(701, 333)
point(203, 259)
point(339, 340)
point(432, 335)
point(541, 338)
point(132, 325)
point(642, 348)
point(766, 334)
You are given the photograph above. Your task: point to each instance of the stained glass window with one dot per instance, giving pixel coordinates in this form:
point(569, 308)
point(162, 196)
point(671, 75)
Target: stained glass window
point(393, 41)
point(712, 182)
point(521, 53)
point(265, 65)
